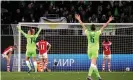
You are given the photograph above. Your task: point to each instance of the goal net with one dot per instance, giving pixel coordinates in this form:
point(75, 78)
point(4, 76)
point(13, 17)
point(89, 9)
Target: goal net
point(69, 46)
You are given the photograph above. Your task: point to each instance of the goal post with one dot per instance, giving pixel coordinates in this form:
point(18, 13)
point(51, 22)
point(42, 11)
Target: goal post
point(69, 45)
point(19, 49)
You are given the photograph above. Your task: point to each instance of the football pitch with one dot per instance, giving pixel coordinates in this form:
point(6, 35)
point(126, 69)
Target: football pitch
point(64, 76)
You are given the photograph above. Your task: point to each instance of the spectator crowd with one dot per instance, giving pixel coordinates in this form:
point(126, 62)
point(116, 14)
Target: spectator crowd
point(90, 11)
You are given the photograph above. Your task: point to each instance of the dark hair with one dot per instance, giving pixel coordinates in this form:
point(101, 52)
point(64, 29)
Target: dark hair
point(106, 40)
point(42, 38)
point(93, 28)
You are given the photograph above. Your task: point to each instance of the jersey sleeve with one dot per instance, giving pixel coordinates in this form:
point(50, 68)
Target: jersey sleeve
point(86, 32)
point(11, 49)
point(37, 43)
point(47, 43)
point(38, 32)
point(22, 32)
point(99, 32)
point(110, 42)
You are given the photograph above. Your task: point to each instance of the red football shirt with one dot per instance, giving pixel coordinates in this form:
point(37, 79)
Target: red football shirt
point(106, 47)
point(42, 45)
point(8, 49)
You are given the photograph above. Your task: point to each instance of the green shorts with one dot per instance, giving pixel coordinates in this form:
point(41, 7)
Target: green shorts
point(92, 53)
point(31, 53)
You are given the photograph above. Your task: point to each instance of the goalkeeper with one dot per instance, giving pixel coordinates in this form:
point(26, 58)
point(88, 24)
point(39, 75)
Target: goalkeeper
point(31, 47)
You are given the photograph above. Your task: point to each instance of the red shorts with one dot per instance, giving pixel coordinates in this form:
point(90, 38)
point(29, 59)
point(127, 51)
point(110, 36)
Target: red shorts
point(108, 52)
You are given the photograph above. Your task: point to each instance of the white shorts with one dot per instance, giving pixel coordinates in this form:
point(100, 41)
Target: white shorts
point(107, 56)
point(4, 55)
point(45, 55)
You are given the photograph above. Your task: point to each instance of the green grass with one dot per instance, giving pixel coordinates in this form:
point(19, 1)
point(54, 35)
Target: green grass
point(64, 76)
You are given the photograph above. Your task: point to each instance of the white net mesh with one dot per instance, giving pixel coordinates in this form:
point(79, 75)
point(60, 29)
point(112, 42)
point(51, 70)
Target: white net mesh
point(69, 46)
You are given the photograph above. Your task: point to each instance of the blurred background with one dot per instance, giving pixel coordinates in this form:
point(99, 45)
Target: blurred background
point(90, 11)
point(13, 12)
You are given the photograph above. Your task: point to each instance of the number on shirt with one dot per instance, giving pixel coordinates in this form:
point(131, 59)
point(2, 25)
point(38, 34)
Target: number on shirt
point(106, 47)
point(33, 40)
point(92, 38)
point(42, 47)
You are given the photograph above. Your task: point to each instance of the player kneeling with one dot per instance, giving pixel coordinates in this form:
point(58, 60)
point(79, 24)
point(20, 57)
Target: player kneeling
point(106, 54)
point(7, 55)
point(43, 47)
point(40, 67)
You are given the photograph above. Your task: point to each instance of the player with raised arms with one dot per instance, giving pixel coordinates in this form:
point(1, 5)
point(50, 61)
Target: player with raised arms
point(43, 47)
point(7, 55)
point(106, 53)
point(93, 45)
point(31, 47)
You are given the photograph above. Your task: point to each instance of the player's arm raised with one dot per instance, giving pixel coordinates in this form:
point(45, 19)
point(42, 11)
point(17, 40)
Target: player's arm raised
point(19, 29)
point(82, 24)
point(105, 25)
point(38, 32)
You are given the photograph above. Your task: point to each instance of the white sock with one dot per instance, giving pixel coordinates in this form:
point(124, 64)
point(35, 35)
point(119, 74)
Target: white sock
point(94, 66)
point(35, 65)
point(28, 64)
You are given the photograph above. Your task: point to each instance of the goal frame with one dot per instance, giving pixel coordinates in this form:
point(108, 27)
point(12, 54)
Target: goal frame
point(27, 23)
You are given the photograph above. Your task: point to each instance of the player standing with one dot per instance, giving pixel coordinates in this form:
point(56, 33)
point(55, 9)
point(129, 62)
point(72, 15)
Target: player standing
point(31, 47)
point(93, 45)
point(43, 47)
point(7, 55)
point(106, 53)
